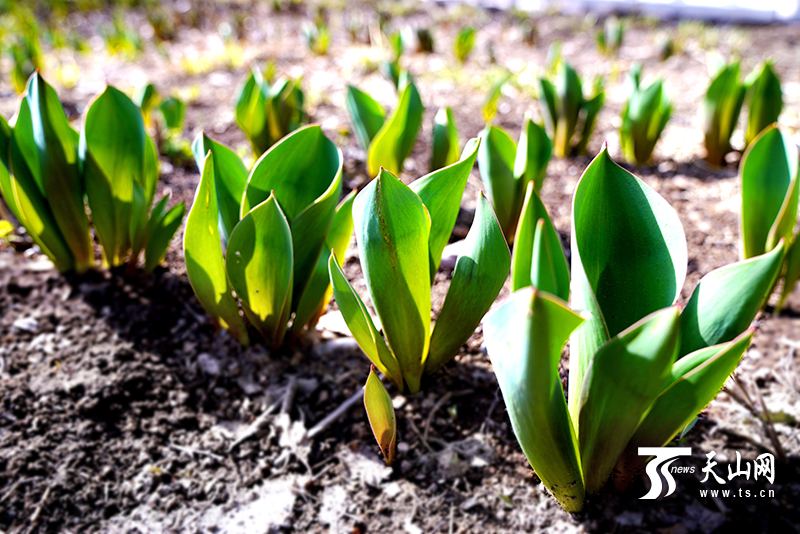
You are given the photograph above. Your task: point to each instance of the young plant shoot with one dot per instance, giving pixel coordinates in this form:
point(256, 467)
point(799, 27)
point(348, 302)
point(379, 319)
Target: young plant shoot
point(507, 168)
point(273, 225)
point(720, 112)
point(567, 114)
point(113, 163)
point(641, 369)
point(401, 232)
point(267, 112)
point(770, 189)
point(764, 99)
point(388, 142)
point(643, 118)
point(445, 140)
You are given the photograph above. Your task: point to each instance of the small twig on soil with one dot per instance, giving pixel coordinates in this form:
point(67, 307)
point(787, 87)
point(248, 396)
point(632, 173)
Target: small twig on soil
point(766, 420)
point(10, 491)
point(336, 414)
point(256, 426)
point(191, 452)
point(419, 434)
point(288, 395)
point(487, 421)
point(39, 507)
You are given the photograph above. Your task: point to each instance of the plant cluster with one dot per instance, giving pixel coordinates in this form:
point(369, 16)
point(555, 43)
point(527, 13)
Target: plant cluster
point(51, 173)
point(644, 117)
point(723, 103)
point(641, 369)
point(267, 111)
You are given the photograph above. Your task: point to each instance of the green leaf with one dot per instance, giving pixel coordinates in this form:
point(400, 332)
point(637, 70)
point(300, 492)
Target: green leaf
point(441, 192)
point(304, 172)
point(5, 167)
point(792, 272)
point(720, 112)
point(174, 110)
point(394, 141)
point(380, 413)
point(547, 105)
point(496, 160)
point(489, 108)
point(465, 41)
point(445, 139)
point(694, 381)
point(568, 102)
point(524, 338)
point(643, 119)
point(591, 108)
point(316, 296)
point(112, 151)
point(727, 299)
point(769, 174)
point(765, 100)
point(635, 266)
point(478, 277)
point(533, 155)
point(55, 143)
point(163, 231)
point(259, 261)
point(538, 258)
point(230, 176)
point(251, 111)
point(623, 380)
point(392, 228)
point(367, 115)
point(205, 263)
point(27, 192)
point(362, 327)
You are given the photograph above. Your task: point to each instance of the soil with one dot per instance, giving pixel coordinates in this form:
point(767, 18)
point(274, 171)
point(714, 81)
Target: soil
point(122, 408)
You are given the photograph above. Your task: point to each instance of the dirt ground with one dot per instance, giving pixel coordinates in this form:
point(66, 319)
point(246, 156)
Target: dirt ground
point(123, 410)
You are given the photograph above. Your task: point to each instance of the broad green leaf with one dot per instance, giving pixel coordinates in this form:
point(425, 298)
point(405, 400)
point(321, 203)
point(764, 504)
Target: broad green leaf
point(299, 170)
point(623, 380)
point(441, 192)
point(445, 139)
point(478, 277)
point(316, 296)
point(304, 172)
point(768, 173)
point(56, 144)
point(230, 176)
point(367, 115)
point(161, 236)
point(551, 267)
point(205, 263)
point(524, 338)
point(727, 299)
point(765, 99)
point(362, 327)
point(633, 267)
point(392, 228)
point(393, 143)
point(496, 160)
point(259, 263)
point(34, 212)
point(694, 382)
point(380, 413)
point(792, 273)
point(112, 151)
point(533, 155)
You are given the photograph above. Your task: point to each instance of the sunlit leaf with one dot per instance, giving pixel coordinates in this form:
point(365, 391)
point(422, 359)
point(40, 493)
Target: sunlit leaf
point(381, 415)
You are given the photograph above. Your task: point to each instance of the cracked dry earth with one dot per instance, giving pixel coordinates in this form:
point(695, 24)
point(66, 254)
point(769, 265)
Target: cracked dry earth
point(123, 410)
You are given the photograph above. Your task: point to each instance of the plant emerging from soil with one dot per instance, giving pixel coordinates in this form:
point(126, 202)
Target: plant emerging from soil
point(640, 368)
point(273, 225)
